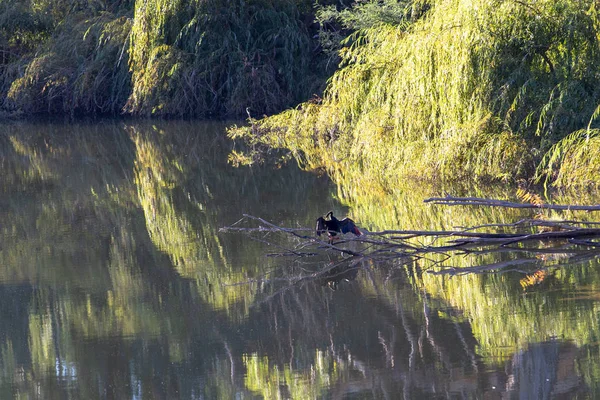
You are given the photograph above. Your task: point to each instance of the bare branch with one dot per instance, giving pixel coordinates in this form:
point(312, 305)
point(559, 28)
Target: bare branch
point(476, 201)
point(564, 238)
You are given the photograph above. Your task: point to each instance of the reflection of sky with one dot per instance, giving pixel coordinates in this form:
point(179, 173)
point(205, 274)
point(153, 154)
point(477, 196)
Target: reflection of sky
point(136, 386)
point(65, 370)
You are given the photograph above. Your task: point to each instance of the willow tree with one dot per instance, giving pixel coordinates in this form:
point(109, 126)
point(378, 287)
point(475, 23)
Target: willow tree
point(206, 57)
point(475, 88)
point(64, 56)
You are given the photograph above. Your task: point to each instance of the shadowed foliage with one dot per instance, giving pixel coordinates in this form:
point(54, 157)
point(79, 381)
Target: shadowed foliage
point(83, 71)
point(154, 57)
point(206, 57)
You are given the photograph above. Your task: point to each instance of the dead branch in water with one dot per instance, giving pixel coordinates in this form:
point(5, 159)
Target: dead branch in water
point(476, 201)
point(269, 227)
point(562, 238)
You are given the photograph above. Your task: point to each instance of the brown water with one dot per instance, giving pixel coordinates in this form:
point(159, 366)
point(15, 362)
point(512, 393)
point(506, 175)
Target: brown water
point(115, 283)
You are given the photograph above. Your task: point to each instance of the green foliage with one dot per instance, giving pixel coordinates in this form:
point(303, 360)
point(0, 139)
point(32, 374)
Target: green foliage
point(65, 57)
point(474, 89)
point(188, 57)
point(573, 162)
point(205, 57)
point(20, 32)
point(370, 13)
point(546, 82)
point(20, 29)
point(336, 24)
point(83, 70)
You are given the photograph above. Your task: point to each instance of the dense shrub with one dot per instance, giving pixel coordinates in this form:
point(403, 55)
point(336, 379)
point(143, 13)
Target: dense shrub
point(65, 57)
point(220, 57)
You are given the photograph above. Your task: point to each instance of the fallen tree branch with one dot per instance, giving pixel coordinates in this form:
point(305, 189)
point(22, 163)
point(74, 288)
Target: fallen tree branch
point(570, 234)
point(476, 201)
point(585, 242)
point(408, 246)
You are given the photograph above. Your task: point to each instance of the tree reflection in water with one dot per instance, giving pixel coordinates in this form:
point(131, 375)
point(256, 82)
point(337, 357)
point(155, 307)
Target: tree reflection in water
point(116, 283)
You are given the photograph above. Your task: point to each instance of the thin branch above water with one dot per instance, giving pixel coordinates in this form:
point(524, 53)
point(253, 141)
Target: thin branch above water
point(471, 201)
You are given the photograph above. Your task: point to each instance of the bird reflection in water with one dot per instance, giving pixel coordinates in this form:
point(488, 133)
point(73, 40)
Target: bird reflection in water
point(345, 272)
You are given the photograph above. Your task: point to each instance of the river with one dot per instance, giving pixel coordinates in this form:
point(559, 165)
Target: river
point(117, 283)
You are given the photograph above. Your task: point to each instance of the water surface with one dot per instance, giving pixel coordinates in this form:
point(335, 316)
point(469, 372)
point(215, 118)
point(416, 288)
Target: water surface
point(117, 283)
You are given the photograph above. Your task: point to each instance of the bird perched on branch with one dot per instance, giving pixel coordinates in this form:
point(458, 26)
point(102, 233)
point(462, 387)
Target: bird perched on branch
point(333, 226)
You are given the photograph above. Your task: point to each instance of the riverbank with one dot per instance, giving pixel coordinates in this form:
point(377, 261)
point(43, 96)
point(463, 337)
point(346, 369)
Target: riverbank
point(437, 90)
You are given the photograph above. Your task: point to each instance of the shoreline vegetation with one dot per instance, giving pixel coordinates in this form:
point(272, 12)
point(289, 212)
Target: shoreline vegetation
point(163, 58)
point(427, 90)
point(477, 90)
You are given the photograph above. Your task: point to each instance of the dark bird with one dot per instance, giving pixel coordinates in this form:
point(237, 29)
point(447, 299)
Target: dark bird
point(333, 226)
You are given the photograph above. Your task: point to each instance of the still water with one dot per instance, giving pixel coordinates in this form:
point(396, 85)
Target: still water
point(116, 283)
